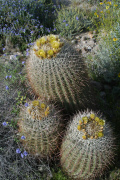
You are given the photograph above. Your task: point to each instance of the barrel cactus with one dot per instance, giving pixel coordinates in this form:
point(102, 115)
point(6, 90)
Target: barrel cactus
point(55, 71)
point(40, 126)
point(88, 146)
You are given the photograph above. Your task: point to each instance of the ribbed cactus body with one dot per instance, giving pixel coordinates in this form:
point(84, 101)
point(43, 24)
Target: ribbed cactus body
point(88, 147)
point(40, 124)
point(61, 77)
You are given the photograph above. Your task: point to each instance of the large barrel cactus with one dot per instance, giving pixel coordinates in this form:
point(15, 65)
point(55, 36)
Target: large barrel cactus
point(56, 72)
point(88, 146)
point(40, 125)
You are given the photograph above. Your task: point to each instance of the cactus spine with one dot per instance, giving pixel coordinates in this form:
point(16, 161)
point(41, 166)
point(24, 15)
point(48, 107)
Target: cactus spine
point(56, 72)
point(41, 126)
point(88, 147)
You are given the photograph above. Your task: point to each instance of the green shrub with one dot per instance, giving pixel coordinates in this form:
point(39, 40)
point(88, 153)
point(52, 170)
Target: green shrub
point(71, 21)
point(106, 63)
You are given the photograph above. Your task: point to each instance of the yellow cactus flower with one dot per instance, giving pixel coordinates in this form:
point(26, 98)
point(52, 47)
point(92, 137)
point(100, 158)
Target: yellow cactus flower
point(96, 136)
point(52, 37)
point(42, 40)
point(101, 122)
point(97, 119)
point(91, 137)
point(115, 5)
point(109, 3)
point(100, 134)
point(46, 113)
point(35, 103)
point(42, 105)
point(84, 137)
point(79, 127)
point(55, 44)
point(101, 3)
point(47, 109)
point(92, 116)
point(56, 50)
point(85, 121)
point(115, 39)
point(84, 118)
point(50, 52)
point(41, 53)
point(119, 75)
point(95, 14)
point(101, 11)
point(80, 121)
point(107, 7)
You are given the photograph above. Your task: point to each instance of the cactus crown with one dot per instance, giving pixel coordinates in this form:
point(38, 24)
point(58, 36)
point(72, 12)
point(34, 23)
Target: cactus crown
point(91, 126)
point(38, 110)
point(48, 46)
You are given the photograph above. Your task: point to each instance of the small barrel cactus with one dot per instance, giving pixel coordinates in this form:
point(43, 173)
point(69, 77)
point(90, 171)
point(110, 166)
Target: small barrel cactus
point(55, 71)
point(40, 124)
point(88, 146)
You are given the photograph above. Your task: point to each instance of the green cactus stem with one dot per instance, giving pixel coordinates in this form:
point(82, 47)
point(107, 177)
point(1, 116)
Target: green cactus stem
point(41, 125)
point(88, 147)
point(56, 72)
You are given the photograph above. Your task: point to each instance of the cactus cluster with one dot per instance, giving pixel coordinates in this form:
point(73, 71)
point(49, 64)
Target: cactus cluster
point(40, 124)
point(88, 148)
point(57, 74)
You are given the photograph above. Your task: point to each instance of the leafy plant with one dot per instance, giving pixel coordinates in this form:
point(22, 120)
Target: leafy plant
point(20, 99)
point(58, 175)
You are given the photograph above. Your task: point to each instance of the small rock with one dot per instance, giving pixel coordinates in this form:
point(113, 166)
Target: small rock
point(77, 37)
point(86, 38)
point(87, 49)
